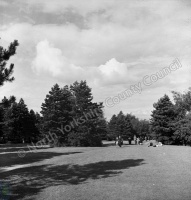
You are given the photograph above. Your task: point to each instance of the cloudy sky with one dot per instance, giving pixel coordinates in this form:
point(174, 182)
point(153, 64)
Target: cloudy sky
point(111, 44)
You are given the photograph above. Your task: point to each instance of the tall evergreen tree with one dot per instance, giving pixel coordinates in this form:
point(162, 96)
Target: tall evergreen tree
point(57, 111)
point(18, 125)
point(33, 126)
point(121, 125)
point(89, 116)
point(128, 132)
point(112, 132)
point(162, 120)
point(5, 106)
point(24, 122)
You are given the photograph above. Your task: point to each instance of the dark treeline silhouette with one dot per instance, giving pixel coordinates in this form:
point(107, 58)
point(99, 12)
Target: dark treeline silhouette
point(73, 109)
point(17, 123)
point(68, 112)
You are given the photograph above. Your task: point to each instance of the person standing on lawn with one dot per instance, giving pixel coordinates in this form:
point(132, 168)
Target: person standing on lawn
point(120, 141)
point(135, 139)
point(138, 140)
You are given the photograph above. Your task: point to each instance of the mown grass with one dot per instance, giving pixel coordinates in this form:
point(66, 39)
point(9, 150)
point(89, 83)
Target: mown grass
point(132, 172)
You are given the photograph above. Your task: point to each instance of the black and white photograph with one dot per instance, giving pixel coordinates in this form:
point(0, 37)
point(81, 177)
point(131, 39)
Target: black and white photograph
point(95, 99)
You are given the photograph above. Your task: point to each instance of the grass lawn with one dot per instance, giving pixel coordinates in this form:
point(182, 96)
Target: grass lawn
point(133, 172)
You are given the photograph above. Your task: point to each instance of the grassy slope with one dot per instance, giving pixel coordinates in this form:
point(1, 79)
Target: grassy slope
point(131, 172)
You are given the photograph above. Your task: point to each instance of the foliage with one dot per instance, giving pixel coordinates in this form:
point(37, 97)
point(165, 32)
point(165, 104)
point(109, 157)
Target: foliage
point(93, 125)
point(127, 126)
point(18, 125)
point(5, 54)
point(57, 111)
point(72, 116)
point(182, 123)
point(162, 120)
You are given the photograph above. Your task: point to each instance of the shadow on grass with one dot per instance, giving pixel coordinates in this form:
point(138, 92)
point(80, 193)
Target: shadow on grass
point(14, 145)
point(109, 144)
point(10, 159)
point(12, 149)
point(113, 144)
point(31, 180)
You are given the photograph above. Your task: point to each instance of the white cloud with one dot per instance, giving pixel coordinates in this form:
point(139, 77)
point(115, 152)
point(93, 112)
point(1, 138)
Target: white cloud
point(118, 44)
point(50, 59)
point(114, 72)
point(113, 68)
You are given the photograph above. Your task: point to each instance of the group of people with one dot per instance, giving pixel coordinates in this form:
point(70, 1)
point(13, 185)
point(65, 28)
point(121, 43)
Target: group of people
point(137, 140)
point(158, 144)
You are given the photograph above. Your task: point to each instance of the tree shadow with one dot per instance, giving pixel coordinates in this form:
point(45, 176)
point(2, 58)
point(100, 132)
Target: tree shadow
point(31, 180)
point(10, 159)
point(109, 144)
point(113, 144)
point(12, 149)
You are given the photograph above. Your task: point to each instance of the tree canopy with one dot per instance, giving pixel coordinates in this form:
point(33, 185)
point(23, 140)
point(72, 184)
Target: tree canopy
point(5, 54)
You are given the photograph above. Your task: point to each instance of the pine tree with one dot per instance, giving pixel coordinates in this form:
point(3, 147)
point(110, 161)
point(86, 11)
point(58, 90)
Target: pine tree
point(57, 111)
point(5, 54)
point(25, 122)
point(34, 126)
point(128, 132)
point(162, 120)
point(121, 125)
point(5, 107)
point(18, 125)
point(112, 132)
point(143, 130)
point(89, 116)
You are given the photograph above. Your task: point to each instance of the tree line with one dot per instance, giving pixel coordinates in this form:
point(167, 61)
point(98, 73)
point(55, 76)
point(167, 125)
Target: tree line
point(68, 112)
point(171, 121)
point(127, 126)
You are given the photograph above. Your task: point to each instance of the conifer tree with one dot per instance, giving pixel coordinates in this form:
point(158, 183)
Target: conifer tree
point(5, 54)
point(89, 116)
point(128, 132)
point(112, 132)
point(162, 120)
point(33, 126)
point(56, 111)
point(121, 125)
point(5, 107)
point(18, 125)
